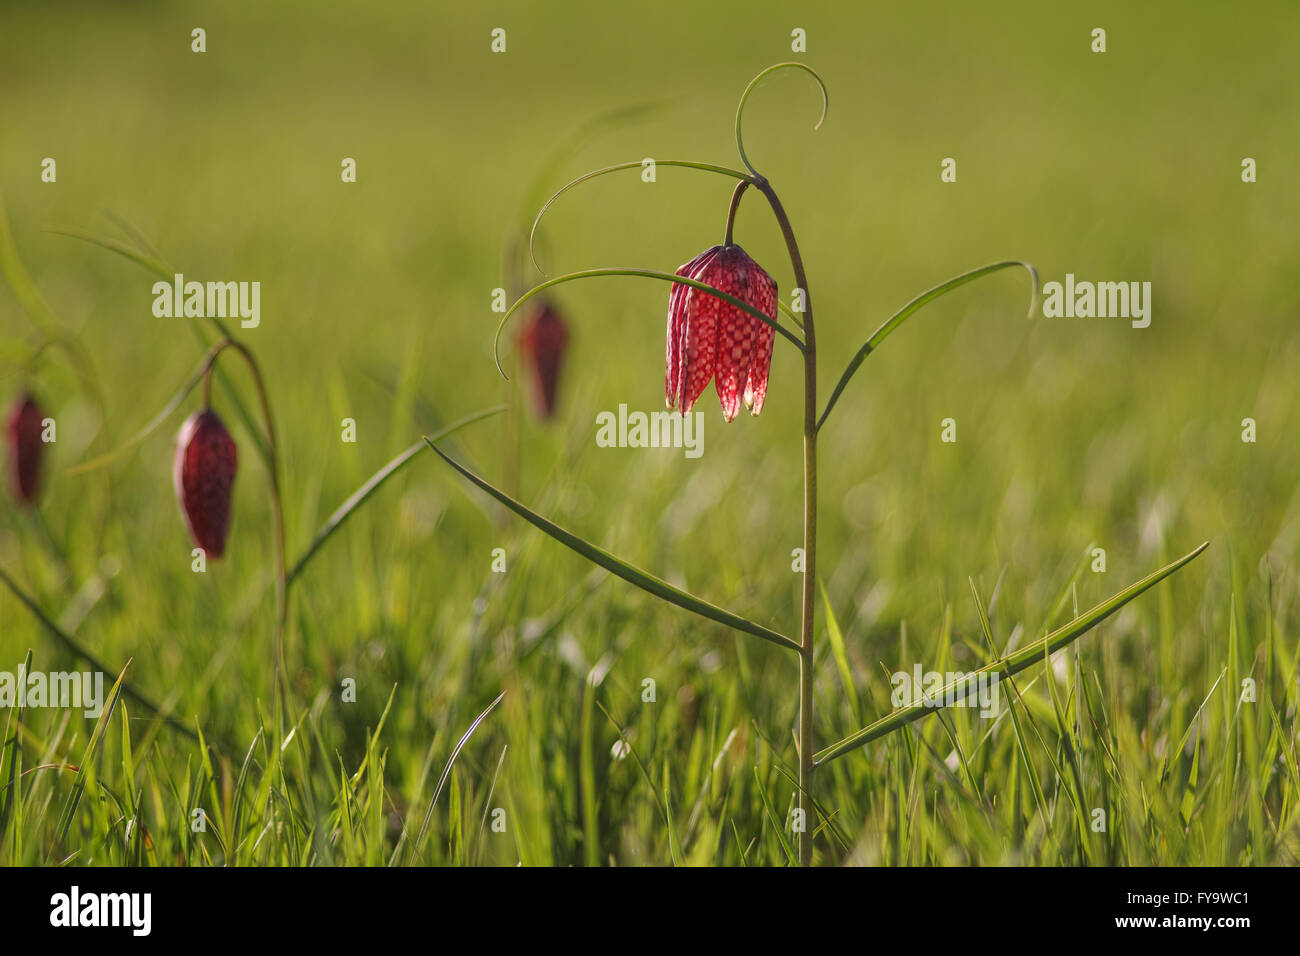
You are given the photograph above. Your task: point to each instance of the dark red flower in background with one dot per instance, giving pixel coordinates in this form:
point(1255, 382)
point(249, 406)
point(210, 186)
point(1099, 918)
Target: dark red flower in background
point(712, 339)
point(204, 477)
point(25, 449)
point(542, 342)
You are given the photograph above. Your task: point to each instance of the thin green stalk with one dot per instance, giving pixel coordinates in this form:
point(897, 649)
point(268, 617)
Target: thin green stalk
point(733, 208)
point(808, 602)
point(162, 712)
point(277, 514)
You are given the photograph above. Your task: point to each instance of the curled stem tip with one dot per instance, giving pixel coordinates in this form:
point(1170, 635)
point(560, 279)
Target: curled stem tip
point(744, 98)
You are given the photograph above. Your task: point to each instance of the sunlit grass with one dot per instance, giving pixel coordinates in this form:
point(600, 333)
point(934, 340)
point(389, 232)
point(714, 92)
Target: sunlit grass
point(1071, 435)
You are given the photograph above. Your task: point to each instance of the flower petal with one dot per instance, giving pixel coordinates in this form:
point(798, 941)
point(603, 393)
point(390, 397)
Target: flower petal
point(736, 328)
point(696, 337)
point(756, 384)
point(676, 320)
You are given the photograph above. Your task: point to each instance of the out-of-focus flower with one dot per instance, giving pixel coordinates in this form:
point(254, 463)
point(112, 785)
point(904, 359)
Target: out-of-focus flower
point(26, 449)
point(543, 339)
point(205, 476)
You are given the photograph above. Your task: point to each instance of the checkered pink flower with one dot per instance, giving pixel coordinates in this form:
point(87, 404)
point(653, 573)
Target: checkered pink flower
point(712, 339)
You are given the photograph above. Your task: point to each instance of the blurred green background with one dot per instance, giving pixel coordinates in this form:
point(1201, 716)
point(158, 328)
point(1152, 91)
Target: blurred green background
point(375, 304)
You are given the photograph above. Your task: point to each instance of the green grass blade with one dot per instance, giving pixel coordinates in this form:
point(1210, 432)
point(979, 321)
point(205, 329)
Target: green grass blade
point(11, 807)
point(68, 641)
point(150, 262)
point(587, 776)
point(88, 756)
point(899, 317)
point(1027, 656)
point(790, 855)
point(363, 494)
point(20, 281)
point(837, 650)
point(647, 582)
point(664, 815)
point(674, 845)
point(446, 771)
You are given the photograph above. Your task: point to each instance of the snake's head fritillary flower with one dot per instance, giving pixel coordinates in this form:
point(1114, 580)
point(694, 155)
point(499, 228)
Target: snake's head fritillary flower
point(25, 449)
point(543, 340)
point(205, 476)
point(712, 339)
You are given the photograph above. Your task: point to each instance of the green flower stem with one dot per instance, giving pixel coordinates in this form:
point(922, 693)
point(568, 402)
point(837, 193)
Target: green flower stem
point(733, 208)
point(808, 602)
point(277, 512)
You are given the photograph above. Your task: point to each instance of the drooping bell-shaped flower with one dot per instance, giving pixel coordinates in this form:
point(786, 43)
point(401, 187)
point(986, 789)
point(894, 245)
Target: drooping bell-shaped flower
point(709, 338)
point(543, 340)
point(26, 449)
point(205, 476)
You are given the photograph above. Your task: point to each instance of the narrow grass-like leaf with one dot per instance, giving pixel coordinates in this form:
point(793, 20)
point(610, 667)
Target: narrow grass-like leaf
point(20, 281)
point(88, 756)
point(647, 582)
point(636, 164)
point(362, 494)
point(899, 317)
point(153, 425)
point(1174, 752)
point(674, 845)
point(645, 274)
point(791, 856)
point(75, 647)
point(161, 268)
point(13, 746)
point(587, 776)
point(446, 771)
point(1022, 659)
point(150, 262)
point(838, 651)
point(654, 793)
point(1022, 745)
